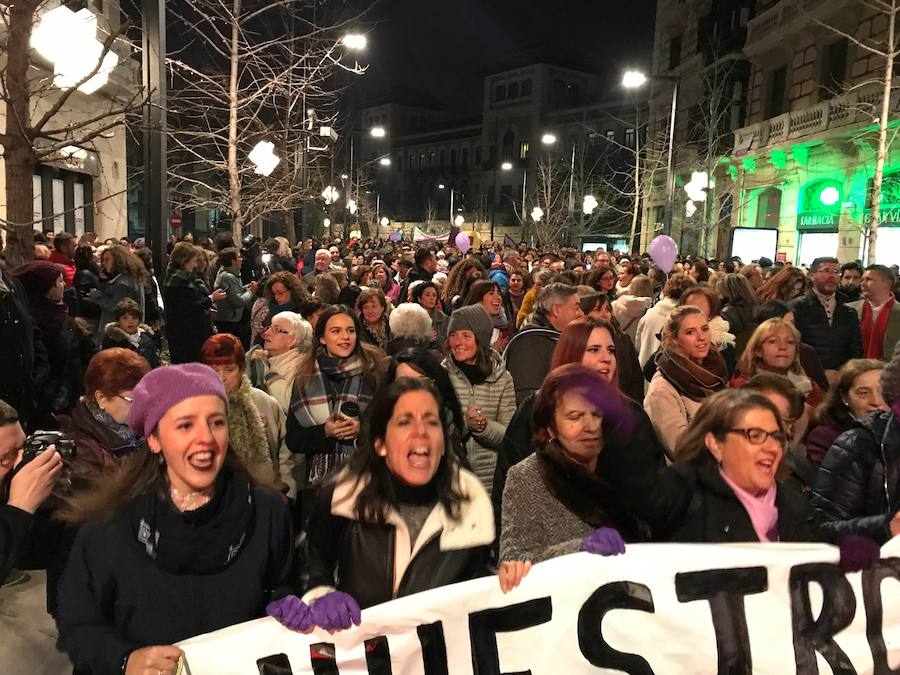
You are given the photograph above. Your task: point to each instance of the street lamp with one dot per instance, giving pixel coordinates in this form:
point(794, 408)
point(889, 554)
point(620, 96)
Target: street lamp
point(377, 132)
point(633, 79)
point(263, 157)
point(590, 203)
point(355, 41)
point(385, 161)
point(506, 166)
point(69, 41)
point(548, 139)
point(459, 220)
point(537, 213)
point(330, 194)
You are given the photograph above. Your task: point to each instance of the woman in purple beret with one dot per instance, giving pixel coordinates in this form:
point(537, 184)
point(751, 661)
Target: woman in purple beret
point(183, 541)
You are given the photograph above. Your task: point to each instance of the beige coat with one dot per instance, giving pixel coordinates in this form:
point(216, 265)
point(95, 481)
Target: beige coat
point(670, 412)
point(274, 420)
point(496, 397)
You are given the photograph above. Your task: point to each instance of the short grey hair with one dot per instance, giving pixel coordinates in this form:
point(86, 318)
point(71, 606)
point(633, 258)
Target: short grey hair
point(410, 320)
point(555, 293)
point(298, 328)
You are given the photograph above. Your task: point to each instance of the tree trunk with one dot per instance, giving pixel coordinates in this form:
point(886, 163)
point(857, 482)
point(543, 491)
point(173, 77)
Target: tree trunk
point(234, 183)
point(882, 133)
point(18, 153)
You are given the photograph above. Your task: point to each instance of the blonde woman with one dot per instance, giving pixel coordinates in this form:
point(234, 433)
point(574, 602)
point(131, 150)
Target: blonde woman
point(688, 371)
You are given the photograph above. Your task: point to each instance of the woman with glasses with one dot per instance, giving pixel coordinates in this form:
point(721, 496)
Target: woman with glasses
point(724, 486)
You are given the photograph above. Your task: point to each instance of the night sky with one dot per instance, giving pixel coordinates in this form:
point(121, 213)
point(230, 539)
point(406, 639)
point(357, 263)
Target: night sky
point(445, 48)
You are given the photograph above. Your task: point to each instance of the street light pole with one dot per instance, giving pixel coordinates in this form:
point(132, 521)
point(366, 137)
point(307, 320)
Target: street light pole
point(670, 169)
point(451, 207)
point(156, 201)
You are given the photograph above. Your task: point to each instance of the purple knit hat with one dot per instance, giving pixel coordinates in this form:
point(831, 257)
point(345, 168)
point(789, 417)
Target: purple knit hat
point(164, 387)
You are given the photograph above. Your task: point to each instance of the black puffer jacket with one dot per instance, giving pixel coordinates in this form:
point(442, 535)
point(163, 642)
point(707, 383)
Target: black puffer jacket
point(855, 490)
point(690, 502)
point(188, 323)
point(373, 562)
point(835, 343)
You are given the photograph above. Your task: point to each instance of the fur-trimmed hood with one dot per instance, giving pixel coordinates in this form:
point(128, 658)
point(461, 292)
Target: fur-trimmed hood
point(113, 332)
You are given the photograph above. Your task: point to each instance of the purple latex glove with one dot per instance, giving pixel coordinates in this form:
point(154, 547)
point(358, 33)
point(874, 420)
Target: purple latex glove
point(858, 553)
point(604, 541)
point(291, 612)
point(335, 611)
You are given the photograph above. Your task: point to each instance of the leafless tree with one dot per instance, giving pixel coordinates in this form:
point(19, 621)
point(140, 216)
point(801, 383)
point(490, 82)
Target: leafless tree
point(269, 70)
point(884, 46)
point(42, 119)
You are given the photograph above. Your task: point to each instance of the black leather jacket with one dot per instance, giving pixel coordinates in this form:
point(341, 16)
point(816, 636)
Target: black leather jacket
point(373, 563)
point(855, 490)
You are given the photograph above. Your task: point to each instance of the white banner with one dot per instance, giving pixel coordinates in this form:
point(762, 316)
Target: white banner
point(660, 608)
point(421, 235)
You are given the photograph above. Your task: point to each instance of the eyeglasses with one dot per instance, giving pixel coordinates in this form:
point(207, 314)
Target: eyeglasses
point(758, 436)
point(280, 330)
point(127, 399)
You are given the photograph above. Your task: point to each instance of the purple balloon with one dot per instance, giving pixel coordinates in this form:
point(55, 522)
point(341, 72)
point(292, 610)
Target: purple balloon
point(663, 250)
point(462, 242)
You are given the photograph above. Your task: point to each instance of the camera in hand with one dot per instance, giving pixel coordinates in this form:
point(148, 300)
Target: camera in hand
point(39, 441)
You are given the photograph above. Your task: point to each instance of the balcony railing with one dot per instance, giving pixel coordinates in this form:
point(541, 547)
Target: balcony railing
point(862, 106)
point(785, 17)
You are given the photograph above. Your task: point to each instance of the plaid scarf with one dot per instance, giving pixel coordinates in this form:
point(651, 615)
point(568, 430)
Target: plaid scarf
point(334, 381)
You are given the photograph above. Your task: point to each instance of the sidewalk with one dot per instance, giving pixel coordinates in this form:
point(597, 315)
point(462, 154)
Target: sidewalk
point(27, 632)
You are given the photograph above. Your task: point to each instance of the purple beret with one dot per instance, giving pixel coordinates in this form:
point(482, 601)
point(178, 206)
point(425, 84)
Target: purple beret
point(164, 387)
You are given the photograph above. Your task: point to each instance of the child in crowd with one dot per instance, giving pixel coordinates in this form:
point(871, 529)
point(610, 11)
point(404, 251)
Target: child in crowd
point(127, 331)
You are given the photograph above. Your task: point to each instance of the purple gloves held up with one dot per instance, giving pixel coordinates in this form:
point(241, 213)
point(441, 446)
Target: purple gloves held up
point(858, 553)
point(604, 541)
point(334, 611)
point(291, 612)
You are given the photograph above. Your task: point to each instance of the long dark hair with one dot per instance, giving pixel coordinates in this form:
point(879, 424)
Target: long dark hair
point(424, 361)
point(379, 495)
point(369, 354)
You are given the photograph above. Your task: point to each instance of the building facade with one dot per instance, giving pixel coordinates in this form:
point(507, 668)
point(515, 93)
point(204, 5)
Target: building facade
point(84, 188)
point(801, 131)
point(494, 168)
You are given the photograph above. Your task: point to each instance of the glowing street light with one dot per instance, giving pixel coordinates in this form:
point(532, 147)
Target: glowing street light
point(441, 186)
point(377, 132)
point(632, 79)
point(506, 166)
point(355, 41)
point(69, 41)
point(385, 221)
point(548, 139)
point(327, 222)
point(459, 220)
point(590, 203)
point(264, 158)
point(352, 207)
point(537, 213)
point(385, 161)
point(330, 194)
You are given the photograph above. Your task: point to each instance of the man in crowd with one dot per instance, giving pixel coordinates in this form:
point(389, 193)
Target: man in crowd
point(530, 352)
point(424, 269)
point(825, 323)
point(879, 313)
point(851, 276)
point(63, 254)
point(321, 264)
point(28, 489)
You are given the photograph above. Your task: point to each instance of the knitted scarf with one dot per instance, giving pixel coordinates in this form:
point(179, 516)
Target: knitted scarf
point(873, 330)
point(696, 381)
point(585, 494)
point(245, 428)
point(334, 381)
point(380, 333)
point(203, 541)
point(123, 431)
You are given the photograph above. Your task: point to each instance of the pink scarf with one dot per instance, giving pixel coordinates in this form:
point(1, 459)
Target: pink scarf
point(762, 510)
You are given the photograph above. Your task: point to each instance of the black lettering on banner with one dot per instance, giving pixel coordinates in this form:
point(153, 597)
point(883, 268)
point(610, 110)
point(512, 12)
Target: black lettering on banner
point(616, 595)
point(378, 656)
point(274, 664)
point(434, 648)
point(817, 635)
point(887, 568)
point(321, 655)
point(725, 591)
point(484, 626)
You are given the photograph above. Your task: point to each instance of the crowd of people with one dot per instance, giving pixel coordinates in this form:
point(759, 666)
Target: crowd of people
point(306, 432)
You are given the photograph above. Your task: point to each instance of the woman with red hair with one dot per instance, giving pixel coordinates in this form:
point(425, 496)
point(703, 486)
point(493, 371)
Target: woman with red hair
point(588, 341)
point(256, 423)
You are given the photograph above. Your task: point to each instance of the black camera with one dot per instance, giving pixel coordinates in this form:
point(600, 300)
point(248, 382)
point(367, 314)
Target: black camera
point(39, 441)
